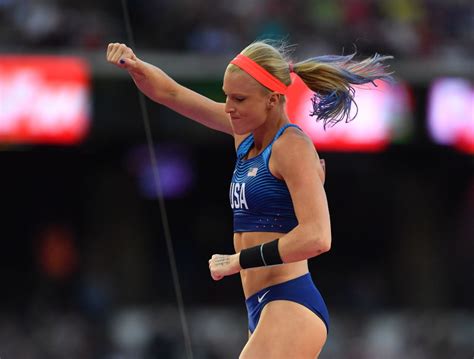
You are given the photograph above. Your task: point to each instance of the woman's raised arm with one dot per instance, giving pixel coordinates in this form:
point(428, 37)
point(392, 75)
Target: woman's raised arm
point(161, 88)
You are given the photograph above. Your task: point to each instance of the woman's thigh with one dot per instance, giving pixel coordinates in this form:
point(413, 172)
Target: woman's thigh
point(286, 330)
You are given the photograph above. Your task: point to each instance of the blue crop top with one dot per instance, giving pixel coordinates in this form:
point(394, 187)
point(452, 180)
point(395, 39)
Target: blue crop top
point(260, 202)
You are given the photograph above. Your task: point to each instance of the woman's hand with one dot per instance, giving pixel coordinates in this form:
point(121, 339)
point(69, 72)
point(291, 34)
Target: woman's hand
point(123, 57)
point(222, 265)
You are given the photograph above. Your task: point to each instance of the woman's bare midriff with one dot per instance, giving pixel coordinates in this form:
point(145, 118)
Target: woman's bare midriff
point(256, 279)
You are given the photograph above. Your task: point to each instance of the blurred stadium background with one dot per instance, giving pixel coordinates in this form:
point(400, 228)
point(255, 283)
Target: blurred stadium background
point(84, 270)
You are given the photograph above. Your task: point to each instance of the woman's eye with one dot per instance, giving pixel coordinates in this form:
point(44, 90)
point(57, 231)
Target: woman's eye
point(234, 98)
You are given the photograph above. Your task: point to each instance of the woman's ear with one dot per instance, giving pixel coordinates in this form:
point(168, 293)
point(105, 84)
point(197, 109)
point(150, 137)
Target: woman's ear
point(273, 100)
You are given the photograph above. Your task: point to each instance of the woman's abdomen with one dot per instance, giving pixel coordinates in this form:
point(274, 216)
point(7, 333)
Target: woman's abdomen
point(255, 279)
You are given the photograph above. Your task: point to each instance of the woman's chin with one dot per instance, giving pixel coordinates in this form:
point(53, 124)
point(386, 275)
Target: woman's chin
point(239, 130)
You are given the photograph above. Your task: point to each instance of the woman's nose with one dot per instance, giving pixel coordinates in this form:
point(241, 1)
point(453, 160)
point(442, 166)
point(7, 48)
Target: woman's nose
point(228, 107)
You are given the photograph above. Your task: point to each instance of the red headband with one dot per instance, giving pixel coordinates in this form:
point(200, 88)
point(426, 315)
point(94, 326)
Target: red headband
point(259, 73)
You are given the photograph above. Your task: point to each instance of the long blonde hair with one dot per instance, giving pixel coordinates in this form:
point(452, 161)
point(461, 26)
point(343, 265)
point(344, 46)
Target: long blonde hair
point(330, 77)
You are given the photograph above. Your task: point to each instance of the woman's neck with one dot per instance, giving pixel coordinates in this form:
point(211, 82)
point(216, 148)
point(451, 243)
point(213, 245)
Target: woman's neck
point(264, 134)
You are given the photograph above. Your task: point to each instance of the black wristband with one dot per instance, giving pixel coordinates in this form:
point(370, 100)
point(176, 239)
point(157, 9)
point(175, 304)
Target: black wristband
point(271, 254)
point(266, 254)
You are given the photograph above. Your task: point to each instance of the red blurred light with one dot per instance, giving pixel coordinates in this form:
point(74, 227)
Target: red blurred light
point(383, 113)
point(44, 99)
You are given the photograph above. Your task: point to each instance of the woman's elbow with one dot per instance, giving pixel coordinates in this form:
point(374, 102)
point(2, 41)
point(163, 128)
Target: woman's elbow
point(325, 245)
point(321, 244)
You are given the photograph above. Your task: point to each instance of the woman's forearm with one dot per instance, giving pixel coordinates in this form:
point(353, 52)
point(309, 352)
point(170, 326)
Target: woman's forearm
point(155, 83)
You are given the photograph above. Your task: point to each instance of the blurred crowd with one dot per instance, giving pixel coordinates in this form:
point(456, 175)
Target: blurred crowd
point(404, 28)
point(154, 333)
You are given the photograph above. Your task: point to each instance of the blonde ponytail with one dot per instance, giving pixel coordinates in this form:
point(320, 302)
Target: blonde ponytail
point(331, 78)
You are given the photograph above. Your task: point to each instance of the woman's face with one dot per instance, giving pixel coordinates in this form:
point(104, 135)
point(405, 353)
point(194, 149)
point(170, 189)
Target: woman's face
point(246, 102)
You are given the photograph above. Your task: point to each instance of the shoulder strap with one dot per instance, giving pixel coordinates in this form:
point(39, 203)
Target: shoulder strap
point(268, 151)
point(281, 130)
point(244, 146)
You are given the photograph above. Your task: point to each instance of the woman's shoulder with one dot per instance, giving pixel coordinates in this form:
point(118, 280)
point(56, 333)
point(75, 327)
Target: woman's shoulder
point(293, 139)
point(295, 152)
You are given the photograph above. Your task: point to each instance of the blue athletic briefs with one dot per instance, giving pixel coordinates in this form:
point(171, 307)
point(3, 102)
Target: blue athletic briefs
point(260, 201)
point(299, 290)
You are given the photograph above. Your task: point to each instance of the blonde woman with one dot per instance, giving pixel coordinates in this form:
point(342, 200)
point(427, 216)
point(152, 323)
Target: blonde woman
point(281, 216)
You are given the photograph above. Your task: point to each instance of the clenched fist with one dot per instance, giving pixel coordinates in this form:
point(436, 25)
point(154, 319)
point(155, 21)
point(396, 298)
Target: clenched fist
point(221, 265)
point(122, 56)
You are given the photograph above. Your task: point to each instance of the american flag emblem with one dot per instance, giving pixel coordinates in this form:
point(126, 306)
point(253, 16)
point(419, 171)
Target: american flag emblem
point(252, 172)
